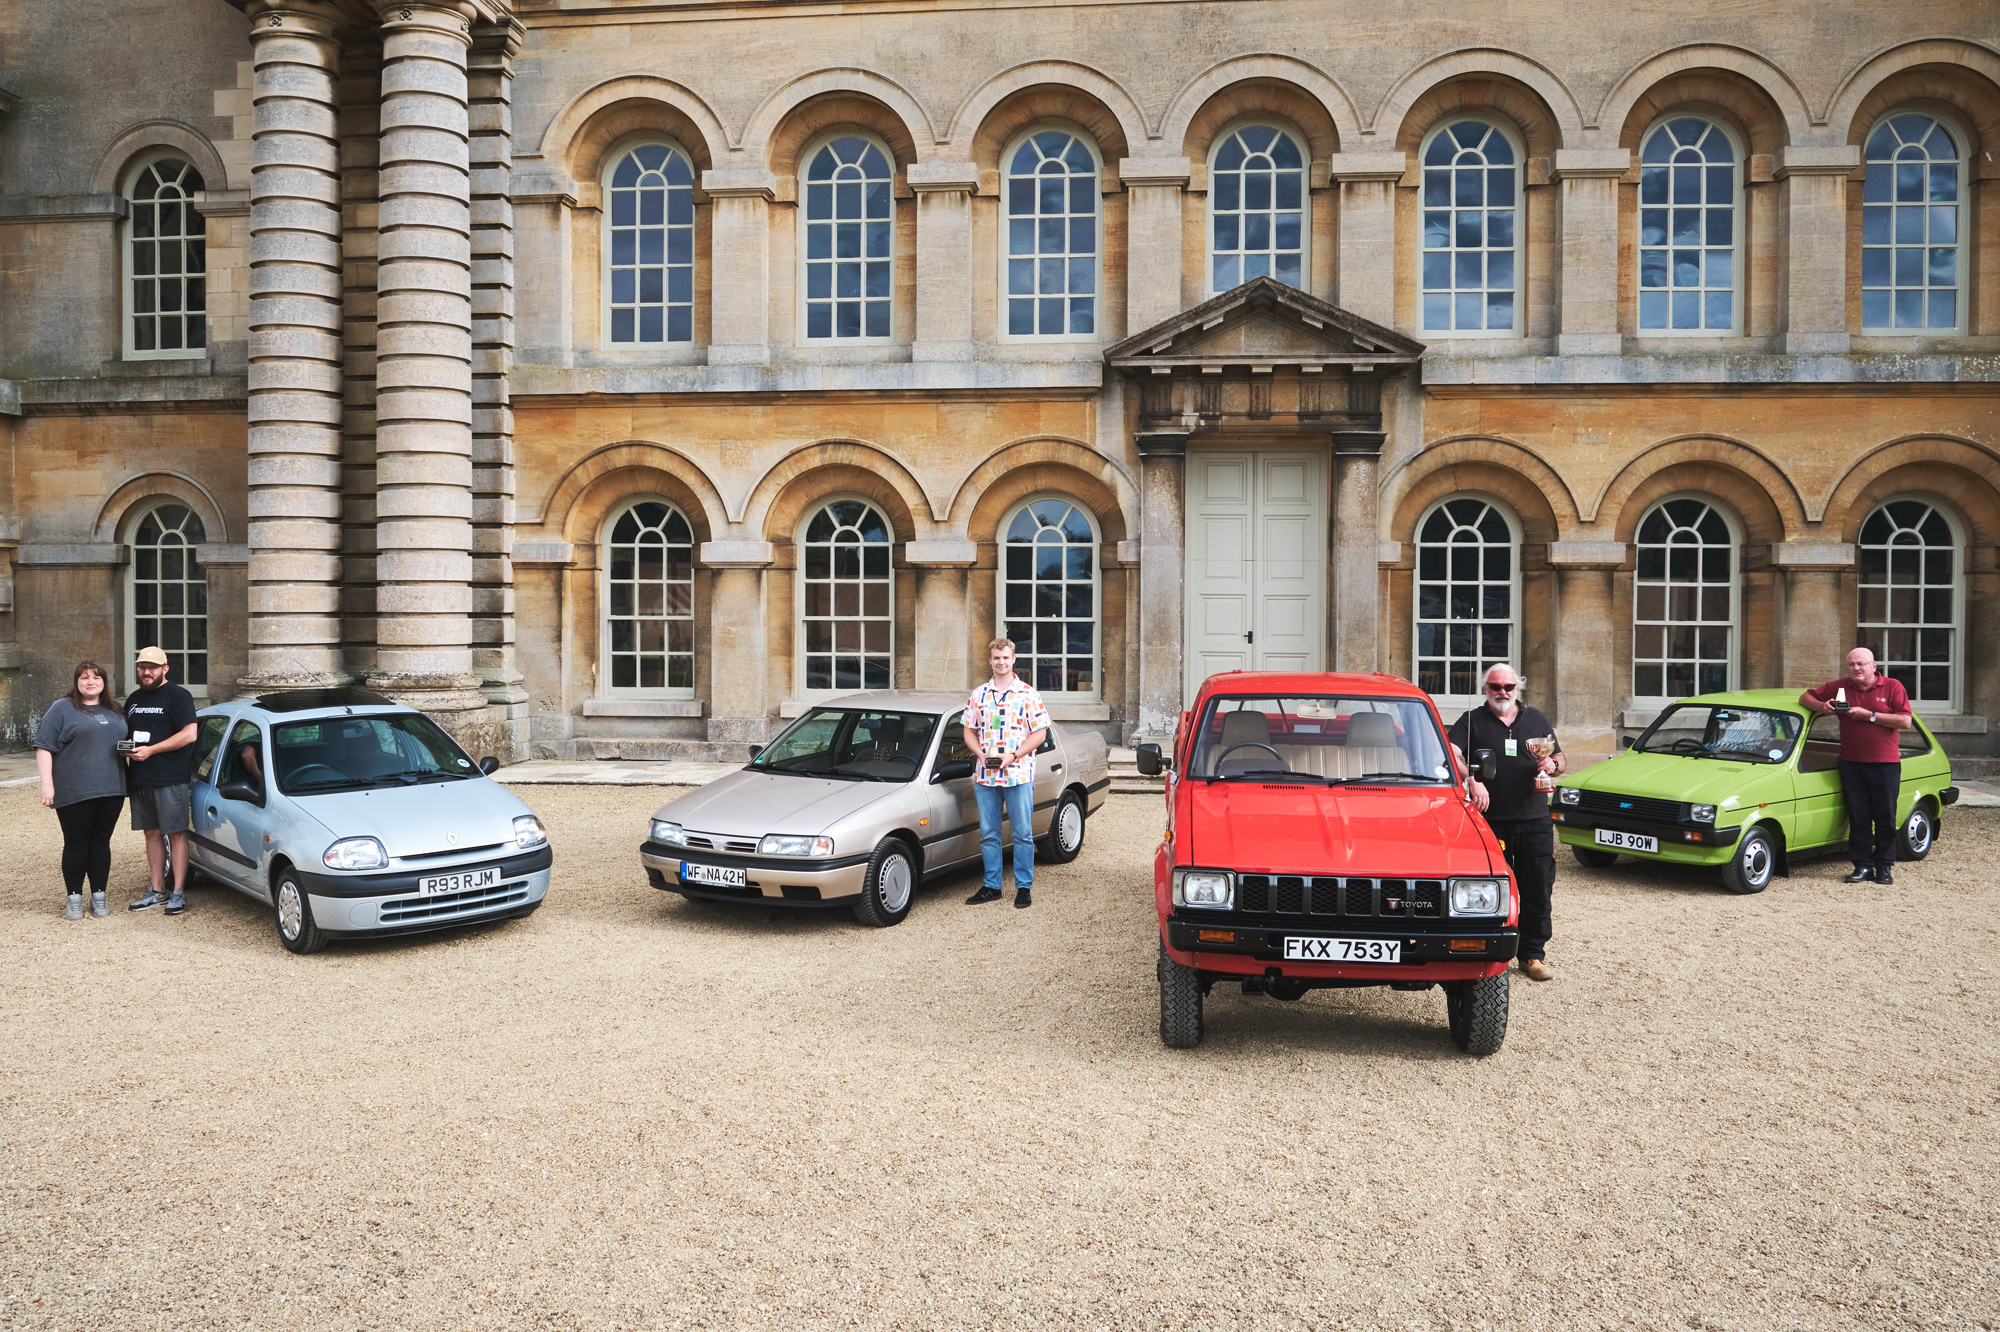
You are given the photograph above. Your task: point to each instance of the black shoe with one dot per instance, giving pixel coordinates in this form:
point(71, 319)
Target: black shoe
point(1860, 876)
point(1022, 898)
point(982, 896)
point(1884, 878)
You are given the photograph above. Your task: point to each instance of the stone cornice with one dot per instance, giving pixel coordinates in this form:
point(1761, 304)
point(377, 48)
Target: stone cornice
point(943, 177)
point(63, 207)
point(1816, 160)
point(1154, 171)
point(740, 183)
point(1356, 167)
point(1590, 163)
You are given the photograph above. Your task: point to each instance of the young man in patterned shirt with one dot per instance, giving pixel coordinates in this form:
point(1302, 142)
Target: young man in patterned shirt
point(1004, 724)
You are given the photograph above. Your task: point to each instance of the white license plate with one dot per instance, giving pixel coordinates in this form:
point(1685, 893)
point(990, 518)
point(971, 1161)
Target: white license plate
point(465, 881)
point(716, 875)
point(1625, 841)
point(1343, 950)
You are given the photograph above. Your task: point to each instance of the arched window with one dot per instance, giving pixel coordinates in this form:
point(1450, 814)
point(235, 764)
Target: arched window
point(1470, 206)
point(169, 593)
point(850, 241)
point(1688, 265)
point(1911, 269)
point(847, 625)
point(1048, 601)
point(649, 601)
point(1050, 268)
point(166, 262)
point(1468, 595)
point(1256, 207)
point(649, 247)
point(1910, 599)
point(1684, 601)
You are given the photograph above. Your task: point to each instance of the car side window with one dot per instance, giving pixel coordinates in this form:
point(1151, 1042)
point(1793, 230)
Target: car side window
point(953, 746)
point(1911, 743)
point(1822, 745)
point(206, 741)
point(243, 760)
point(1048, 740)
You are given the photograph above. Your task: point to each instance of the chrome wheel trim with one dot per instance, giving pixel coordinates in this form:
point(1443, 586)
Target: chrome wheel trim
point(1757, 861)
point(291, 909)
point(1920, 823)
point(1069, 825)
point(893, 884)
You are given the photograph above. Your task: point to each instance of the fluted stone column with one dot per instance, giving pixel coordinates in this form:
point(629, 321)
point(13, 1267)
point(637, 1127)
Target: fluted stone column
point(1153, 250)
point(1587, 266)
point(295, 353)
point(944, 260)
point(423, 399)
point(1356, 550)
point(1812, 252)
point(1365, 280)
point(740, 242)
point(1586, 689)
point(1162, 550)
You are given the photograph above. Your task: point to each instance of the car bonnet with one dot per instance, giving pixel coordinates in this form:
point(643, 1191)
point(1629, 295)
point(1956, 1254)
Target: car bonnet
point(1700, 781)
point(750, 804)
point(1420, 832)
point(431, 818)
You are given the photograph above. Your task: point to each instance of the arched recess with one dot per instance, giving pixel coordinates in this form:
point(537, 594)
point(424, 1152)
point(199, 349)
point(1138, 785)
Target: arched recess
point(583, 523)
point(121, 507)
point(1500, 82)
point(564, 514)
point(595, 120)
point(1015, 98)
point(1747, 502)
point(1759, 491)
point(1260, 85)
point(1713, 76)
point(1966, 475)
point(780, 128)
point(1958, 74)
point(108, 176)
point(813, 471)
point(1031, 466)
point(1536, 492)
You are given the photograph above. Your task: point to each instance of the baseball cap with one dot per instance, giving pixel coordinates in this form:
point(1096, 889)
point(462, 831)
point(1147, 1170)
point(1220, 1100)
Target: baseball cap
point(151, 656)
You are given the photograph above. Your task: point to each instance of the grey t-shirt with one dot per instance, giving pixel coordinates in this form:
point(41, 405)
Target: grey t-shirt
point(83, 748)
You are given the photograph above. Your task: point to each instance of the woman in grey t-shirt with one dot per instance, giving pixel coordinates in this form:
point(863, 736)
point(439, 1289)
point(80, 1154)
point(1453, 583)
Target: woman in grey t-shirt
point(83, 780)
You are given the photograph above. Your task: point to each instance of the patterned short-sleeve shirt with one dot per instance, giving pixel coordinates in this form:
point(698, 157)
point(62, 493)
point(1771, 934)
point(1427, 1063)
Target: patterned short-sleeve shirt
point(1003, 719)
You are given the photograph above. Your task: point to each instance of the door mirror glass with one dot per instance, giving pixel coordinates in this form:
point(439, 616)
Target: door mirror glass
point(1148, 760)
point(247, 792)
point(489, 765)
point(952, 769)
point(1484, 765)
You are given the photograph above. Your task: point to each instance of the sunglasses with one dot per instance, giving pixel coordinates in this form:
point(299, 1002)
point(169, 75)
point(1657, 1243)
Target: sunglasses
point(1501, 689)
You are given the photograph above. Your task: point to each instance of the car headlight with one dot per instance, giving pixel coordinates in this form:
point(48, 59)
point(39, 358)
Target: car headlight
point(1213, 889)
point(1702, 813)
point(1478, 897)
point(670, 833)
point(356, 853)
point(1569, 795)
point(529, 832)
point(780, 844)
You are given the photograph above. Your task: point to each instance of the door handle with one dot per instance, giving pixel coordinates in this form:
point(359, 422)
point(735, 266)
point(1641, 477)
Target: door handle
point(1055, 767)
point(211, 811)
point(1250, 636)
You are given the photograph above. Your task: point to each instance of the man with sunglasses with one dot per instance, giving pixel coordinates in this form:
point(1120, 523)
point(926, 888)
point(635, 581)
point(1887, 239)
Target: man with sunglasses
point(1514, 809)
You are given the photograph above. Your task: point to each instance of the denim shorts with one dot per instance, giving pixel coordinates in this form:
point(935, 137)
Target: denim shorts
point(162, 807)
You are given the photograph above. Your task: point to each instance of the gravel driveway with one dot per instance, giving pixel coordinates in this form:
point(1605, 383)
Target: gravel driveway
point(633, 1111)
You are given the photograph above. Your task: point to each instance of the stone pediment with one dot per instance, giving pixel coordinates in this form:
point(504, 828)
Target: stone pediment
point(1265, 325)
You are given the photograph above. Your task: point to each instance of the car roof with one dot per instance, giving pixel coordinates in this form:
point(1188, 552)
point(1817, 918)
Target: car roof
point(1310, 682)
point(306, 703)
point(1786, 700)
point(908, 700)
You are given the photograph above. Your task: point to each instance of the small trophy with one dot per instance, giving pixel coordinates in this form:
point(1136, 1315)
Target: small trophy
point(1543, 746)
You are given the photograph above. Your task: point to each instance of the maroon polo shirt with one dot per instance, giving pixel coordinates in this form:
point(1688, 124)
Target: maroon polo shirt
point(1864, 741)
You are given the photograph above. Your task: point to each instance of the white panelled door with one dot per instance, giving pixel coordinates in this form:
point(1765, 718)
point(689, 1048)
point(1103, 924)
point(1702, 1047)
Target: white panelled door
point(1256, 563)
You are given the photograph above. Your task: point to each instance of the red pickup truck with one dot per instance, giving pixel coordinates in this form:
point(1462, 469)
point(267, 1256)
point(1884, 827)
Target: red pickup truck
point(1320, 835)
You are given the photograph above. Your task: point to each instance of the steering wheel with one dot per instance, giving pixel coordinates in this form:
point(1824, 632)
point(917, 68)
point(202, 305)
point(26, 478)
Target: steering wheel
point(1250, 744)
point(1697, 747)
point(311, 768)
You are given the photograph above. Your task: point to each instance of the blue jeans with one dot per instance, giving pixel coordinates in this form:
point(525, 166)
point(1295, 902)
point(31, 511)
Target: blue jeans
point(1019, 804)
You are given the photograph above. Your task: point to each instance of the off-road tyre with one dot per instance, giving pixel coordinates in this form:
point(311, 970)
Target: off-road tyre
point(1750, 869)
point(889, 886)
point(1919, 833)
point(1065, 835)
point(1591, 858)
point(297, 930)
point(1477, 1010)
point(1180, 1003)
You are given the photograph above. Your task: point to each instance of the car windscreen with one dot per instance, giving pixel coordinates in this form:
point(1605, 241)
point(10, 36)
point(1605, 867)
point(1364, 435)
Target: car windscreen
point(349, 753)
point(1722, 731)
point(1319, 738)
point(852, 744)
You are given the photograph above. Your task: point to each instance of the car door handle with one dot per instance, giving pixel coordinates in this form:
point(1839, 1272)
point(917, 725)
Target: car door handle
point(1055, 767)
point(211, 811)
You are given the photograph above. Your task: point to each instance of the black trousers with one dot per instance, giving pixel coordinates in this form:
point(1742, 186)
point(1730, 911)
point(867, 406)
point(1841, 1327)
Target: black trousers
point(1871, 790)
point(87, 826)
point(1531, 854)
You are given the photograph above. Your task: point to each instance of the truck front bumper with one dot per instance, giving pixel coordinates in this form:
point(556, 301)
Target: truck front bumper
point(1259, 950)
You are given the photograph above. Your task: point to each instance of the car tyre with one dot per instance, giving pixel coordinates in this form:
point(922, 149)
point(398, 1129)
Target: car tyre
point(889, 886)
point(1919, 834)
point(1591, 858)
point(1477, 1011)
point(1065, 839)
point(1751, 868)
point(1180, 1003)
point(297, 930)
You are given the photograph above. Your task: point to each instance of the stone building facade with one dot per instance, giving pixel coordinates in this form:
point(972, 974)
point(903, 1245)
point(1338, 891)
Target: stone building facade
point(615, 378)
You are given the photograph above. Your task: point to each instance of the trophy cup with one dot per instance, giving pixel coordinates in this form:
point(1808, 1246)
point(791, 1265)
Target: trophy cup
point(1543, 746)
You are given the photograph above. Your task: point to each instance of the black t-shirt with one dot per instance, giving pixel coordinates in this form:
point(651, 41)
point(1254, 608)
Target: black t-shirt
point(160, 713)
point(1511, 794)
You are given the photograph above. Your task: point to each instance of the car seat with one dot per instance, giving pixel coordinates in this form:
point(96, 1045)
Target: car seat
point(1371, 745)
point(1242, 728)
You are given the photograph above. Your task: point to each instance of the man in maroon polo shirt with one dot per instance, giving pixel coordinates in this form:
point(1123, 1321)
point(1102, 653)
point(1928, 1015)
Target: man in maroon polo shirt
point(1872, 708)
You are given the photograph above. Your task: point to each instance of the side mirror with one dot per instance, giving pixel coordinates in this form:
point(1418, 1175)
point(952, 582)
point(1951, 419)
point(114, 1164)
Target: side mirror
point(1148, 761)
point(1625, 742)
point(1484, 766)
point(755, 750)
point(248, 792)
point(489, 765)
point(951, 770)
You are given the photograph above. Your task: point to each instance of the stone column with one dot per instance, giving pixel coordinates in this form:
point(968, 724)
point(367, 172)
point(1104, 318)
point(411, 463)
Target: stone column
point(1587, 262)
point(944, 261)
point(1585, 690)
point(943, 567)
point(1365, 273)
point(360, 146)
point(295, 354)
point(1153, 264)
point(1356, 552)
point(740, 264)
point(1161, 610)
point(1811, 641)
point(1812, 249)
point(738, 713)
point(424, 373)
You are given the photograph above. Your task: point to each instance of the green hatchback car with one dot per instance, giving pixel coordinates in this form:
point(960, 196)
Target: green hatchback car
point(1743, 781)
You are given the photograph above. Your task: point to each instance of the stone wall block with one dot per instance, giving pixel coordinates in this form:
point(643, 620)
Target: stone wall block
point(315, 344)
point(282, 280)
point(451, 472)
point(299, 375)
point(296, 168)
point(284, 635)
point(309, 408)
point(429, 59)
point(428, 602)
point(305, 114)
point(421, 419)
point(415, 240)
point(440, 308)
point(321, 473)
point(418, 157)
point(496, 420)
point(315, 248)
point(292, 311)
point(492, 210)
point(302, 537)
point(291, 436)
point(416, 373)
point(285, 213)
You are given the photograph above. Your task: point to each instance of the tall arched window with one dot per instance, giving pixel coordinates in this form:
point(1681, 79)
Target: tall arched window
point(1910, 599)
point(1688, 236)
point(166, 262)
point(1911, 272)
point(1468, 595)
point(1050, 268)
point(649, 601)
point(1256, 208)
point(1470, 238)
point(848, 259)
point(169, 592)
point(1684, 601)
point(1048, 599)
point(847, 624)
point(649, 247)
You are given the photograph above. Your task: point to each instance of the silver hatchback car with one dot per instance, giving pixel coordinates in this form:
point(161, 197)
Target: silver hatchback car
point(353, 816)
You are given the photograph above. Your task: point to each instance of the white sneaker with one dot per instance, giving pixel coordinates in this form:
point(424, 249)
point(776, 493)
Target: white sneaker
point(98, 906)
point(74, 911)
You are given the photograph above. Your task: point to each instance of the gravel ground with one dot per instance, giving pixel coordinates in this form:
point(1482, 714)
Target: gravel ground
point(633, 1111)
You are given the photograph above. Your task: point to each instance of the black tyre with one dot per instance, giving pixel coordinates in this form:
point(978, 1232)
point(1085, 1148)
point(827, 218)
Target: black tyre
point(1591, 858)
point(1477, 1010)
point(1919, 833)
point(1180, 1004)
point(1065, 837)
point(297, 930)
point(1755, 861)
point(889, 886)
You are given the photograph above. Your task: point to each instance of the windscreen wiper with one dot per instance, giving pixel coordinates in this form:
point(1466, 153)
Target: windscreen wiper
point(1389, 777)
point(1266, 774)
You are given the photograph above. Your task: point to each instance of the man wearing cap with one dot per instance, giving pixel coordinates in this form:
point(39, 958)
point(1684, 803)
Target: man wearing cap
point(160, 717)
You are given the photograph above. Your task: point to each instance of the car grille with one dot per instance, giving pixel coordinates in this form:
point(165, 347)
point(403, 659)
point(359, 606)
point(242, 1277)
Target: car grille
point(446, 905)
point(1631, 806)
point(711, 842)
point(452, 851)
point(1296, 896)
